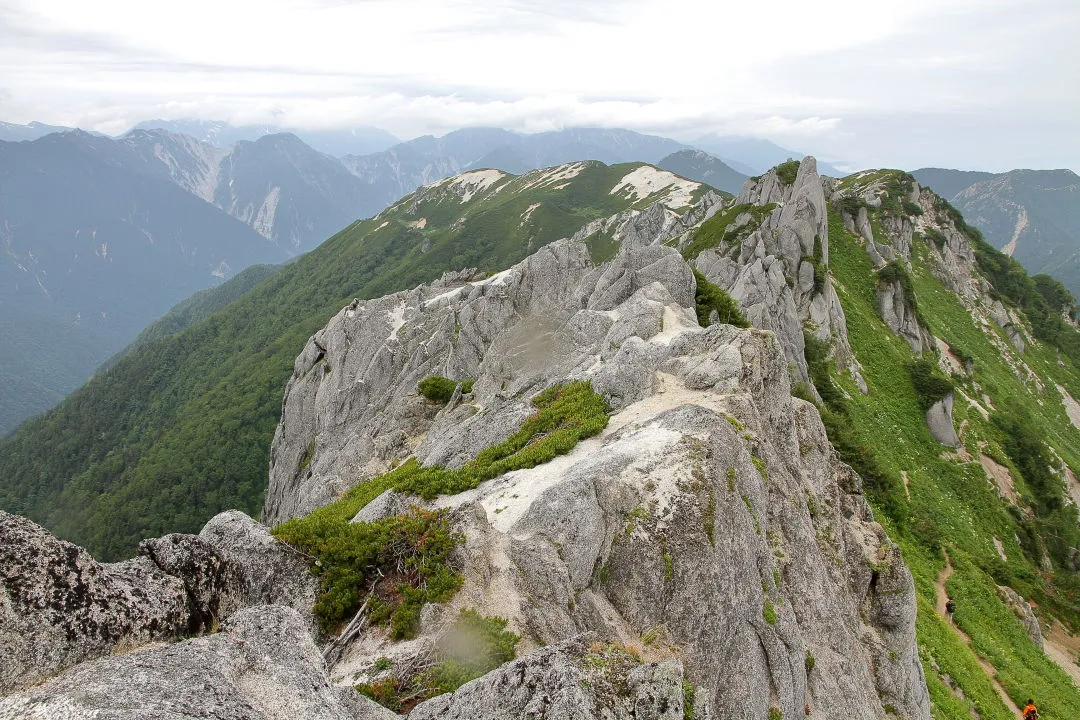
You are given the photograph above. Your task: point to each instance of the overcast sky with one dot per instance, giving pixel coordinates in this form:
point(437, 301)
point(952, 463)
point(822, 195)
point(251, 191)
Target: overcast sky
point(988, 84)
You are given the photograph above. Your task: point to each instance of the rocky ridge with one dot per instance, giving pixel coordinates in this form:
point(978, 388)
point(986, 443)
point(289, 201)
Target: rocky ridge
point(710, 526)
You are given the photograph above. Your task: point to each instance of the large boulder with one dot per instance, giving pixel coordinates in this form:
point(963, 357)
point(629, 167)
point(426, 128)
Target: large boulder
point(59, 606)
point(262, 665)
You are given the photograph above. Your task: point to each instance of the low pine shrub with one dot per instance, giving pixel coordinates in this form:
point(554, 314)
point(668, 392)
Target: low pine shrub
point(788, 171)
point(437, 388)
point(709, 297)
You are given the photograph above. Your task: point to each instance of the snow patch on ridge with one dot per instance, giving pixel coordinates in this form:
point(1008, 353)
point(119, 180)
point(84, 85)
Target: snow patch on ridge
point(647, 180)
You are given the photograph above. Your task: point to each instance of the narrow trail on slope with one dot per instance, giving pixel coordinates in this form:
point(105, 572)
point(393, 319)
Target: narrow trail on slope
point(991, 672)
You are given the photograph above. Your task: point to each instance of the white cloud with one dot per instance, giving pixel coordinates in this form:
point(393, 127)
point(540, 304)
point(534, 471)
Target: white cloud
point(792, 71)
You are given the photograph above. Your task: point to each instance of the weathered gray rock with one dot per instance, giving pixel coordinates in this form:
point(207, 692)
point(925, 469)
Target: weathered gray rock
point(263, 665)
point(263, 570)
point(1016, 602)
point(663, 526)
point(566, 682)
point(205, 572)
point(59, 606)
point(898, 313)
point(388, 504)
point(939, 420)
point(779, 272)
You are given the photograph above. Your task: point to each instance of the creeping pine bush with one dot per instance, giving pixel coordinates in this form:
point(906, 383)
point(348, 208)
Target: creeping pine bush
point(788, 171)
point(929, 383)
point(346, 555)
point(709, 297)
point(397, 565)
point(437, 388)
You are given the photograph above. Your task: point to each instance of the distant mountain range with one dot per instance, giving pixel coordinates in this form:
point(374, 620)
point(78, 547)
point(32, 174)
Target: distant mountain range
point(703, 167)
point(338, 143)
point(102, 235)
point(1032, 215)
point(753, 156)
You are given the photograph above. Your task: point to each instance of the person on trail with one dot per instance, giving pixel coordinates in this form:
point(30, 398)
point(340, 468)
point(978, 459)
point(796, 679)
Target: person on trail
point(950, 606)
point(1030, 711)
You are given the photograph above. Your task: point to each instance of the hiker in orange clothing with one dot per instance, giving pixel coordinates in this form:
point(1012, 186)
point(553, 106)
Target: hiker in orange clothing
point(1030, 711)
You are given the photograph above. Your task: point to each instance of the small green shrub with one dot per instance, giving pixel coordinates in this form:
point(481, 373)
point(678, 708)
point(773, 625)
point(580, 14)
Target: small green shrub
point(788, 171)
point(895, 272)
point(467, 385)
point(306, 456)
point(816, 353)
point(437, 388)
point(937, 237)
point(775, 714)
point(910, 207)
point(688, 700)
point(810, 661)
point(769, 612)
point(851, 204)
point(762, 469)
point(402, 562)
point(802, 391)
point(930, 384)
point(710, 297)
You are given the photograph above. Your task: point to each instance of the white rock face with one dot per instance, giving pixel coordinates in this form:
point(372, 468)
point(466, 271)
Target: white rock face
point(711, 514)
point(647, 180)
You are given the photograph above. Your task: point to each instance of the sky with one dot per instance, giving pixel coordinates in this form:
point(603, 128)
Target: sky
point(976, 84)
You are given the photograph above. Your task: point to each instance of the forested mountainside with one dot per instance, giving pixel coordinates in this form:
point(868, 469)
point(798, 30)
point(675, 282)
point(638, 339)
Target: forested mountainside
point(663, 431)
point(91, 251)
point(1030, 215)
point(191, 416)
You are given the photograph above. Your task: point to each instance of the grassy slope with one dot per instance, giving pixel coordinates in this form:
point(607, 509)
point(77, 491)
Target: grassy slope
point(180, 428)
point(952, 497)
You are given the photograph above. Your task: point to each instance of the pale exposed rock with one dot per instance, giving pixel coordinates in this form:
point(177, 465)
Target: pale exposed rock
point(939, 420)
point(263, 665)
point(389, 504)
point(613, 538)
point(773, 275)
point(898, 313)
point(265, 570)
point(1023, 611)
